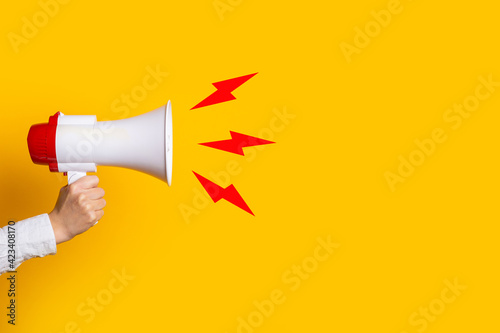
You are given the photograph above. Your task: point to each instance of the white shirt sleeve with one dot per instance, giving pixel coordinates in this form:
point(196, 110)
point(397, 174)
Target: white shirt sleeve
point(34, 237)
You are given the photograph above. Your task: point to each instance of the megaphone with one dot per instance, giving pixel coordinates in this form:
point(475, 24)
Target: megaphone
point(76, 145)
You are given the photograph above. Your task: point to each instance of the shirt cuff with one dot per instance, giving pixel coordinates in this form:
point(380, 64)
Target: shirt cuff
point(35, 237)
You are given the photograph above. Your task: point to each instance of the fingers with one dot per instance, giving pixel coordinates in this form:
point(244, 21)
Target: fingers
point(95, 211)
point(98, 204)
point(89, 197)
point(99, 214)
point(95, 193)
point(87, 182)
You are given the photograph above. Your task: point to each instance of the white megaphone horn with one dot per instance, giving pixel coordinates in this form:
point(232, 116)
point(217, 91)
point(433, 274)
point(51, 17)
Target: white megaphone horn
point(78, 144)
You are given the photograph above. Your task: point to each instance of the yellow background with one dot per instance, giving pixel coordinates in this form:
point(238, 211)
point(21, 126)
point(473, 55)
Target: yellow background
point(324, 176)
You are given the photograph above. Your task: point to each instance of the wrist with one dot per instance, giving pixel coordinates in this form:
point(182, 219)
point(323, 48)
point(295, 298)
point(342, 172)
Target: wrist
point(57, 226)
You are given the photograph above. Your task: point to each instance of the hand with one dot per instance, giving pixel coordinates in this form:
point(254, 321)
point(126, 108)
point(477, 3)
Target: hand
point(79, 206)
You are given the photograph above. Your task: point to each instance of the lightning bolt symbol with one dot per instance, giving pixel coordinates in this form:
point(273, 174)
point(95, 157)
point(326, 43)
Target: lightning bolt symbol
point(237, 142)
point(229, 193)
point(224, 90)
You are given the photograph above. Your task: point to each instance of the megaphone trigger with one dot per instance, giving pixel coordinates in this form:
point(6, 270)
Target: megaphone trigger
point(73, 176)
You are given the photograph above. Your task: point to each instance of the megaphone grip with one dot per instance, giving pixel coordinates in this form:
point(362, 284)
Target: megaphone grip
point(73, 176)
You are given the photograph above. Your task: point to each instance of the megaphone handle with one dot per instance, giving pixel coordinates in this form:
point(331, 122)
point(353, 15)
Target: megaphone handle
point(73, 176)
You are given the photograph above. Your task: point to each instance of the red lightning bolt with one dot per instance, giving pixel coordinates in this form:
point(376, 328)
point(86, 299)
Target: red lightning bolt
point(237, 142)
point(224, 90)
point(229, 193)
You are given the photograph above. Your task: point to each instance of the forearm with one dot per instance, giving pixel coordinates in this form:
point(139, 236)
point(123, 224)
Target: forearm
point(34, 237)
